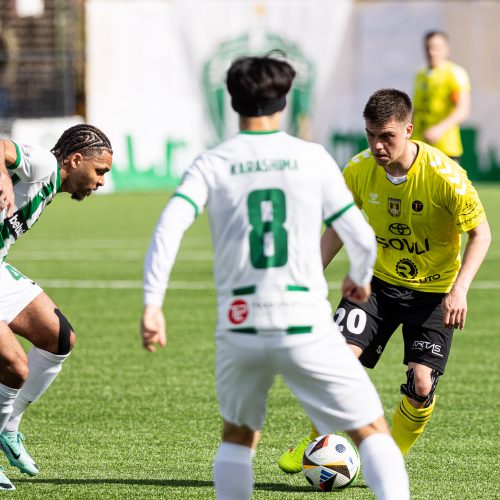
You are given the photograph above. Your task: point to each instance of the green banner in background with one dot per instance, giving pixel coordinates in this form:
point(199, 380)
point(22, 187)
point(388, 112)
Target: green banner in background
point(152, 177)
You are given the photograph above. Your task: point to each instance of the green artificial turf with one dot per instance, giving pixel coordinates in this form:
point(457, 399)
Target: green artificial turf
point(123, 423)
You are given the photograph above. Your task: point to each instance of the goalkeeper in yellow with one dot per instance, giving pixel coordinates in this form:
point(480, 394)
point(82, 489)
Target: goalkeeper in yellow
point(418, 202)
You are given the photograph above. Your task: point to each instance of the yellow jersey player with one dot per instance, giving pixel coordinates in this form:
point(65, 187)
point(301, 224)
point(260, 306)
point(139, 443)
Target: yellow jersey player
point(418, 202)
point(441, 98)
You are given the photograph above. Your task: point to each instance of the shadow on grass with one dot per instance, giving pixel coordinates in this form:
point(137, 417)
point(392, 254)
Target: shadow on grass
point(169, 482)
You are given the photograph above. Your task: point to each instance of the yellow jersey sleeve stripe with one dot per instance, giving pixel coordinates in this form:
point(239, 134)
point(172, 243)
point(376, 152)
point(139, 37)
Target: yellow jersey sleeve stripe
point(339, 213)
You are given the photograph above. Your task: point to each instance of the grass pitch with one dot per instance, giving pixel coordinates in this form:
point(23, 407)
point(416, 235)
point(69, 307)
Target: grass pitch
point(123, 423)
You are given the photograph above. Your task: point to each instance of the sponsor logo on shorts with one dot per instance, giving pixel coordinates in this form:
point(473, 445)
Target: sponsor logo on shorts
point(423, 345)
point(400, 229)
point(406, 269)
point(394, 207)
point(238, 312)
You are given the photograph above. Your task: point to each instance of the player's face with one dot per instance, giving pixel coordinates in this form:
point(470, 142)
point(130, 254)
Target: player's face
point(88, 175)
point(388, 142)
point(437, 50)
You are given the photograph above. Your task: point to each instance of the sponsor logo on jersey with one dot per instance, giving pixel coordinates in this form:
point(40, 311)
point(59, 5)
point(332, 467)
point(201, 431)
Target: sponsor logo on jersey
point(400, 229)
point(432, 277)
point(417, 206)
point(406, 269)
point(17, 225)
point(26, 150)
point(404, 245)
point(394, 207)
point(238, 311)
point(469, 207)
point(373, 198)
point(423, 345)
point(265, 165)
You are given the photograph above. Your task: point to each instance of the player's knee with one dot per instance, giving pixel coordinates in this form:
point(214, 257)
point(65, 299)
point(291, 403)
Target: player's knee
point(423, 384)
point(67, 337)
point(420, 385)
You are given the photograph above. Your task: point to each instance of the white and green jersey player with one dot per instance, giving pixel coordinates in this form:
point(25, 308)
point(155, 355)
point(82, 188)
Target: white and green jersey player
point(36, 179)
point(267, 196)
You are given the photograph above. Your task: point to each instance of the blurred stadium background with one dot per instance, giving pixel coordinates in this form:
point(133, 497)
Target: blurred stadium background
point(150, 72)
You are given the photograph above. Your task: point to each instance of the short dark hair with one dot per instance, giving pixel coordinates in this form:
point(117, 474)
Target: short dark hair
point(258, 85)
point(84, 139)
point(387, 104)
point(433, 33)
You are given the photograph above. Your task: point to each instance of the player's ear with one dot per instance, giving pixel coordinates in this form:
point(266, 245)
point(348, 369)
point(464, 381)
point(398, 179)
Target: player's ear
point(409, 130)
point(75, 159)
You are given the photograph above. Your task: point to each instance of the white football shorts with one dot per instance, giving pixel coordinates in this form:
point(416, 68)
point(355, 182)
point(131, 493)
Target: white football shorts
point(319, 368)
point(16, 292)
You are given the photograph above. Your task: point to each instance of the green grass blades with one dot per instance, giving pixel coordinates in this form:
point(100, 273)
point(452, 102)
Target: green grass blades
point(123, 423)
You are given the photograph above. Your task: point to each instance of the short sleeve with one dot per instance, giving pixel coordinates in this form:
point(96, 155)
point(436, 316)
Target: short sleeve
point(463, 202)
point(33, 163)
point(461, 82)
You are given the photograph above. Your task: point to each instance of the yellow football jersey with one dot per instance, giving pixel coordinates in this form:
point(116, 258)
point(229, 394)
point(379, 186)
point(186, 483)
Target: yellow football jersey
point(417, 222)
point(435, 97)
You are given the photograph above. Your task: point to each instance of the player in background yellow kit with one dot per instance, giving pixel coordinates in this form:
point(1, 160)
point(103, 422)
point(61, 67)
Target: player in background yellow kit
point(441, 98)
point(418, 202)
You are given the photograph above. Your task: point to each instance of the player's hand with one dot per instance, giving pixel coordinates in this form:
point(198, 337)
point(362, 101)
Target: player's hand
point(6, 193)
point(433, 134)
point(355, 293)
point(153, 328)
point(455, 308)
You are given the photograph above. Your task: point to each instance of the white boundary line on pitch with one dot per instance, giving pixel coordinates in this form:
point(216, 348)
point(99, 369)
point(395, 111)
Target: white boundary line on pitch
point(186, 285)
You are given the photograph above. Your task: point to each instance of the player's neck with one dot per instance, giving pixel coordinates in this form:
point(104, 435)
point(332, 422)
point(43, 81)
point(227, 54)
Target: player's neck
point(266, 123)
point(401, 167)
point(437, 64)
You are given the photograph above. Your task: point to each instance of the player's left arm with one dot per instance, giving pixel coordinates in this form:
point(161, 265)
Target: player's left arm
point(455, 303)
point(461, 99)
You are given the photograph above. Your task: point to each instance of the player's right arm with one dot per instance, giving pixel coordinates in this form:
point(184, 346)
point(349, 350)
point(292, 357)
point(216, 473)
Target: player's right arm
point(7, 157)
point(175, 219)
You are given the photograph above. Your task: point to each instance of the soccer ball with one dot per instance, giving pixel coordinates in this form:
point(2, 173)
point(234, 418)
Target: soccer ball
point(330, 462)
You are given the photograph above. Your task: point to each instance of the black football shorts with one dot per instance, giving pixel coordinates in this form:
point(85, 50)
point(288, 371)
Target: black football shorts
point(370, 325)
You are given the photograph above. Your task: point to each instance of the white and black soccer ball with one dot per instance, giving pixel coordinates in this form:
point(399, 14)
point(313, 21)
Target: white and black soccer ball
point(330, 462)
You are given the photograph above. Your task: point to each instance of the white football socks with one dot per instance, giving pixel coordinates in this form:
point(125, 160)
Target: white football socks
point(43, 369)
point(384, 468)
point(7, 397)
point(233, 474)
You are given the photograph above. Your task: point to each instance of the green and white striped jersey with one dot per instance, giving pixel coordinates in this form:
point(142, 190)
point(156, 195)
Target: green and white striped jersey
point(36, 178)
